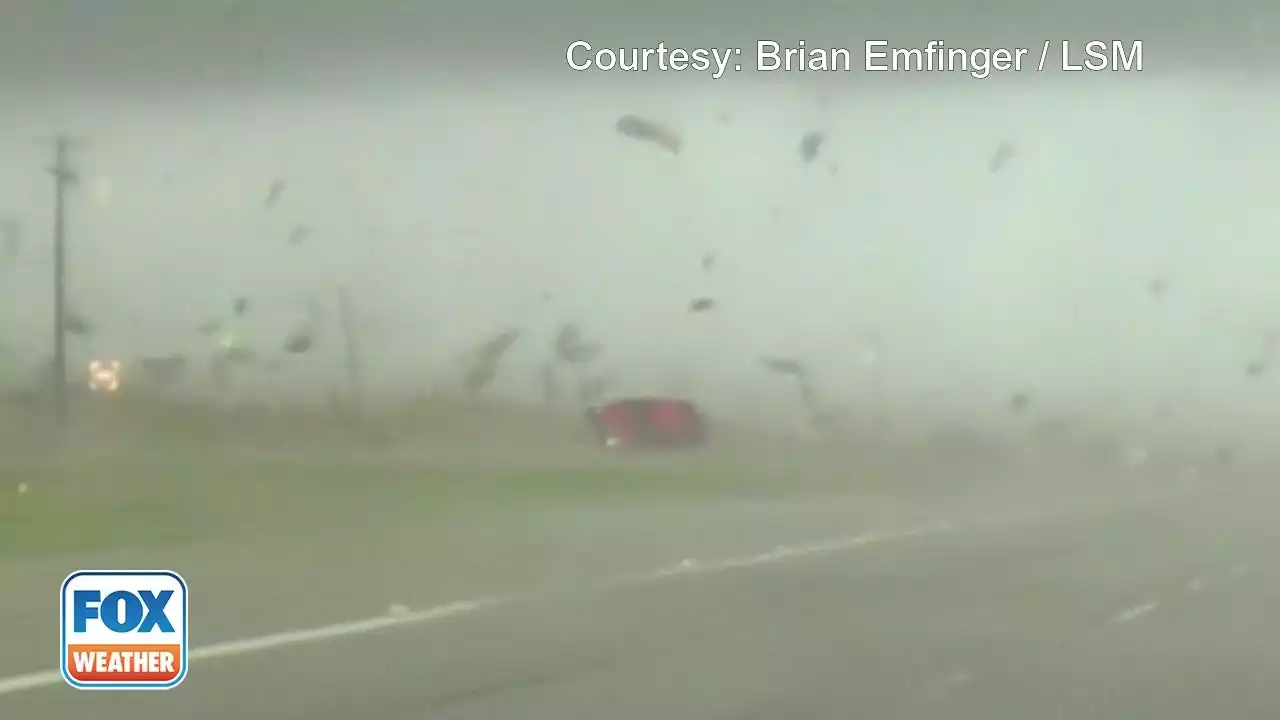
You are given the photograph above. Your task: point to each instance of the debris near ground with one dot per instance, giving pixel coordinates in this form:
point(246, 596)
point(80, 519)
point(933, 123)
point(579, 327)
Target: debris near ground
point(163, 370)
point(652, 131)
point(10, 238)
point(300, 341)
point(486, 359)
point(210, 327)
point(1019, 402)
point(570, 347)
point(76, 324)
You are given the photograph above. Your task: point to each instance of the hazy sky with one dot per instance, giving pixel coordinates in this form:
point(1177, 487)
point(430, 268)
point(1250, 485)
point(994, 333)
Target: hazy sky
point(452, 172)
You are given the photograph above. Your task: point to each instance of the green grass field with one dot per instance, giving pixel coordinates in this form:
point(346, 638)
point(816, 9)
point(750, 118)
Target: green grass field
point(87, 508)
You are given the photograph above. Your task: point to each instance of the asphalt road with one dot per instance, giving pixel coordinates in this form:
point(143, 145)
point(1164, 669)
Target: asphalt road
point(1161, 608)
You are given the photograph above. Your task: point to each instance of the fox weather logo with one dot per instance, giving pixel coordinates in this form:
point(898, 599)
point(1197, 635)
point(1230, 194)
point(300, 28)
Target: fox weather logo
point(124, 629)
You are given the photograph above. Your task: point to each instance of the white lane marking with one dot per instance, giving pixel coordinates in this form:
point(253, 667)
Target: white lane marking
point(1133, 613)
point(31, 681)
point(402, 616)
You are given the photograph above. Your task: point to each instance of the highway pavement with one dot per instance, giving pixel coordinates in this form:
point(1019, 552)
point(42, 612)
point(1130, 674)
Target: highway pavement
point(1160, 603)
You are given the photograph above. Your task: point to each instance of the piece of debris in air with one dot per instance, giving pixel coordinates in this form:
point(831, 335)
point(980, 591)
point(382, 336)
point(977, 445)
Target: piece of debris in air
point(1255, 369)
point(1004, 154)
point(486, 358)
point(700, 305)
point(638, 128)
point(811, 145)
point(570, 347)
point(240, 306)
point(299, 342)
point(274, 193)
point(76, 324)
point(164, 370)
point(210, 327)
point(783, 366)
point(1156, 287)
point(1019, 402)
point(708, 261)
point(10, 237)
point(298, 234)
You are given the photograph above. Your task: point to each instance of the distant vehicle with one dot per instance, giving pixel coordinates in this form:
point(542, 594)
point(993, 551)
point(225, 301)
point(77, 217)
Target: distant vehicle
point(648, 423)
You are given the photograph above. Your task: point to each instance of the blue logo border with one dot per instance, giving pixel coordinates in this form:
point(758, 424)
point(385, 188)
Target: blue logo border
point(62, 633)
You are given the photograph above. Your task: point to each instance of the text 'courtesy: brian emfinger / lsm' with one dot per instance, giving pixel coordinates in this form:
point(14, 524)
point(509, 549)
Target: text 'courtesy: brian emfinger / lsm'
point(872, 56)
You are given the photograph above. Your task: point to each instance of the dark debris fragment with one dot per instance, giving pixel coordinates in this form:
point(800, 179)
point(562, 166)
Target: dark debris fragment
point(299, 342)
point(275, 192)
point(10, 237)
point(638, 128)
point(811, 145)
point(1019, 402)
point(1004, 154)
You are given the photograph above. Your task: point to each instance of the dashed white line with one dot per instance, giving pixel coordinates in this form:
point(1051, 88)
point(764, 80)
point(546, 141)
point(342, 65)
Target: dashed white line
point(1133, 613)
point(399, 615)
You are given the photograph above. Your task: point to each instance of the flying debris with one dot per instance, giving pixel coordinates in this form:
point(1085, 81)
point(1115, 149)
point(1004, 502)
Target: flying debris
point(299, 342)
point(1019, 402)
point(162, 370)
point(486, 358)
point(1156, 287)
point(708, 261)
point(274, 193)
point(550, 384)
point(1004, 154)
point(76, 324)
point(811, 145)
point(638, 128)
point(571, 348)
point(210, 327)
point(240, 306)
point(783, 366)
point(298, 234)
point(592, 390)
point(10, 237)
point(700, 305)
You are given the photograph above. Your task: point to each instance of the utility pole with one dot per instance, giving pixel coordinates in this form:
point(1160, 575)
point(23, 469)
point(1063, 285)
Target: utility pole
point(63, 178)
point(351, 346)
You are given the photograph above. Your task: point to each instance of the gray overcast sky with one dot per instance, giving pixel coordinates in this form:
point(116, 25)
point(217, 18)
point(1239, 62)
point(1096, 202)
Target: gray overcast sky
point(452, 171)
point(174, 44)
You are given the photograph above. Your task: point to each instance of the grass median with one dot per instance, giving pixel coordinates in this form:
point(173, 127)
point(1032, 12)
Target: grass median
point(68, 511)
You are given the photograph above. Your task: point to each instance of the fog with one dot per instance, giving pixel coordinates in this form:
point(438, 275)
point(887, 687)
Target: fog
point(1120, 264)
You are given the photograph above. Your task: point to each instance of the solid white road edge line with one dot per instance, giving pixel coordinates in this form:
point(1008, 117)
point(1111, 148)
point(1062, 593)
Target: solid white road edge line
point(685, 568)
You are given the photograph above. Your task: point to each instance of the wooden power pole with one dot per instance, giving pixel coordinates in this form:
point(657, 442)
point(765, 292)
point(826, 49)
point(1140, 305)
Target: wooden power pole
point(63, 177)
